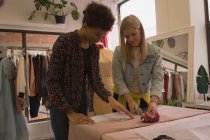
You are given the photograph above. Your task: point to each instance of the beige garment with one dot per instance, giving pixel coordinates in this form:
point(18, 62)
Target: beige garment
point(27, 75)
point(21, 82)
point(105, 67)
point(97, 130)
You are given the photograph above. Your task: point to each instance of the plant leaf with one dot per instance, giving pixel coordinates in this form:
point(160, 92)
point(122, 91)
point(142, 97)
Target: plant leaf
point(202, 80)
point(75, 14)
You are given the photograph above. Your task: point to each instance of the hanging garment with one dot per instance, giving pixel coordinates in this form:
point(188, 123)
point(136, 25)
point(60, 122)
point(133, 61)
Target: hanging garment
point(13, 124)
point(32, 78)
point(104, 40)
point(177, 86)
point(3, 51)
point(43, 81)
point(166, 83)
point(37, 69)
point(21, 82)
point(36, 97)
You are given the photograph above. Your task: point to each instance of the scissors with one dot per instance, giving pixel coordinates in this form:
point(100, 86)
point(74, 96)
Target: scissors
point(139, 111)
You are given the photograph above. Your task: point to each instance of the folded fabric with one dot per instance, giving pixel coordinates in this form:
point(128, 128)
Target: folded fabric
point(150, 117)
point(97, 130)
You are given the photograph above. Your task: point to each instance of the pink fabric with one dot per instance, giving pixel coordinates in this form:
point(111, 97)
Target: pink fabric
point(177, 85)
point(96, 131)
point(104, 40)
point(194, 128)
point(100, 45)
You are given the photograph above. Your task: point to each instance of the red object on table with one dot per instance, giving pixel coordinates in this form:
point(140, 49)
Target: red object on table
point(150, 117)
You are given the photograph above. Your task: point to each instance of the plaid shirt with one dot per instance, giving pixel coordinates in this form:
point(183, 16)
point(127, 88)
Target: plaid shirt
point(65, 74)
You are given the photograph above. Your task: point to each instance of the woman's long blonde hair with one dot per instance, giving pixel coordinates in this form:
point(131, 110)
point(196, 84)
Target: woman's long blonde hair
point(132, 21)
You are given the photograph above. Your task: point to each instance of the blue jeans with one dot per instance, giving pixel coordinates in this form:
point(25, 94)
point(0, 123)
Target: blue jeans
point(59, 120)
point(60, 125)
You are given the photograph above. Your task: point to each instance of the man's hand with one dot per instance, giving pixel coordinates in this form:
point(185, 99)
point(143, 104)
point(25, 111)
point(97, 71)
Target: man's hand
point(79, 118)
point(119, 107)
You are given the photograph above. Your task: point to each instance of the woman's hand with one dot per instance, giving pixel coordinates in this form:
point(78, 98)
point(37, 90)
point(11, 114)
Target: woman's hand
point(79, 118)
point(133, 106)
point(119, 107)
point(153, 108)
point(153, 105)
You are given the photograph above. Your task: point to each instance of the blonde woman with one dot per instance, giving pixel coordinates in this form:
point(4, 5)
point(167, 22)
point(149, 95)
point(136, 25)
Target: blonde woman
point(137, 71)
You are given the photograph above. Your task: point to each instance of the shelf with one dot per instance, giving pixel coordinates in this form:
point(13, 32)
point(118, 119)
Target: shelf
point(36, 25)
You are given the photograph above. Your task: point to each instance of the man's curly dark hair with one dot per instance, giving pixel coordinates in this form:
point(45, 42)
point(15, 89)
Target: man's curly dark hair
point(98, 16)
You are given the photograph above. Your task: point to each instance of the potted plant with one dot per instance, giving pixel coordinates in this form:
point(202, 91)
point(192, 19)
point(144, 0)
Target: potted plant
point(58, 9)
point(202, 81)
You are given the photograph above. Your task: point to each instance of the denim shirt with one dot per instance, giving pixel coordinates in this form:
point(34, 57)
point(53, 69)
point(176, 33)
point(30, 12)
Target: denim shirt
point(150, 72)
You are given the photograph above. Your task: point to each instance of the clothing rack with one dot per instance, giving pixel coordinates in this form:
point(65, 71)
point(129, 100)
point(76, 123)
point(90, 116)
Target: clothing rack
point(25, 49)
point(29, 48)
point(24, 53)
point(164, 68)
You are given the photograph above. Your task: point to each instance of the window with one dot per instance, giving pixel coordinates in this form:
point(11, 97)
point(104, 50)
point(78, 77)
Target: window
point(144, 10)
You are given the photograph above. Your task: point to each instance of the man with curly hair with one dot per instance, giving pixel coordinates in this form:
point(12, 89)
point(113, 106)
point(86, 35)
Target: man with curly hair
point(73, 74)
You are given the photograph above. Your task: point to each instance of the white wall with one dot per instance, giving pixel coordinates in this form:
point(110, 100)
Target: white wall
point(197, 16)
point(172, 15)
point(14, 15)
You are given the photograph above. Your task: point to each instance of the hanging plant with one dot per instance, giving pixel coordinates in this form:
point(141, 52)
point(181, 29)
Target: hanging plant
point(58, 9)
point(74, 12)
point(202, 81)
